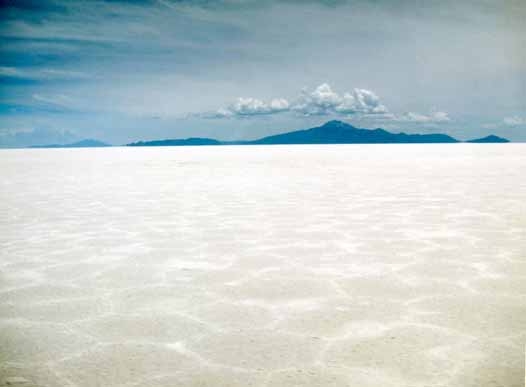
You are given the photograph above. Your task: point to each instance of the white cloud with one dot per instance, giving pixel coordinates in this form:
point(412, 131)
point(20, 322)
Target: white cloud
point(320, 101)
point(324, 101)
point(514, 121)
point(436, 116)
point(251, 107)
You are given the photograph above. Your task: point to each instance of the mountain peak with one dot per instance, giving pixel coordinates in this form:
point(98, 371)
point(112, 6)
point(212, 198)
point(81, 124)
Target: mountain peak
point(334, 123)
point(489, 139)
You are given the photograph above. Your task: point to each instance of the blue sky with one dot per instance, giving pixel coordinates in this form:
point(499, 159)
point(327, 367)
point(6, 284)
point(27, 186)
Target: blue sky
point(121, 71)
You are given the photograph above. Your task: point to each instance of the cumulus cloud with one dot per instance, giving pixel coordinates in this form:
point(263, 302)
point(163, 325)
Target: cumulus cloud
point(246, 107)
point(254, 106)
point(436, 116)
point(514, 121)
point(320, 101)
point(324, 101)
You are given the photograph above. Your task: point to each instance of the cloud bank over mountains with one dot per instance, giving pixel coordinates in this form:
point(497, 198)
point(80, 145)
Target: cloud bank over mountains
point(324, 101)
point(321, 101)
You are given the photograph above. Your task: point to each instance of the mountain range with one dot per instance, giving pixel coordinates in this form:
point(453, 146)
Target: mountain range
point(332, 132)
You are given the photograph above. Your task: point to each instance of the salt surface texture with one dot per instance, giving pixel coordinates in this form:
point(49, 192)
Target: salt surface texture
point(353, 265)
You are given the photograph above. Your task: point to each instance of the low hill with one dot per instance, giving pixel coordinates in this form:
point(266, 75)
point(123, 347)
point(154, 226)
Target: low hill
point(87, 143)
point(193, 141)
point(489, 139)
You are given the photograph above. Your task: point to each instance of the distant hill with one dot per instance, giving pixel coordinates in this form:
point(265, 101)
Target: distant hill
point(489, 139)
point(332, 132)
point(193, 141)
point(88, 143)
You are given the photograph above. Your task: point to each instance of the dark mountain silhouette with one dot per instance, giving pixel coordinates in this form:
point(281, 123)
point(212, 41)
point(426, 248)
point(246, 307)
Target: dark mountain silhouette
point(332, 132)
point(88, 143)
point(489, 139)
point(337, 132)
point(178, 142)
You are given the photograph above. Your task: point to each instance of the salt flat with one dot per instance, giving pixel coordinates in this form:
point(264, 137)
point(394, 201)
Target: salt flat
point(345, 265)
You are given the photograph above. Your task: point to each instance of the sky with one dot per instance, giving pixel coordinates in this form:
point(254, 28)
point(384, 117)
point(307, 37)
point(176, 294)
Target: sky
point(122, 71)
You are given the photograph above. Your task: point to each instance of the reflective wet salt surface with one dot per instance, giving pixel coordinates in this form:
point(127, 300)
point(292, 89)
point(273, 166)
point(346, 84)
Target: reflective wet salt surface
point(355, 265)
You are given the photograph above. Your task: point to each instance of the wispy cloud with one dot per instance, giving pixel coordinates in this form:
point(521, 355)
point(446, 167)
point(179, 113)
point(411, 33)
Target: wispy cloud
point(44, 74)
point(514, 121)
point(435, 116)
point(59, 100)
